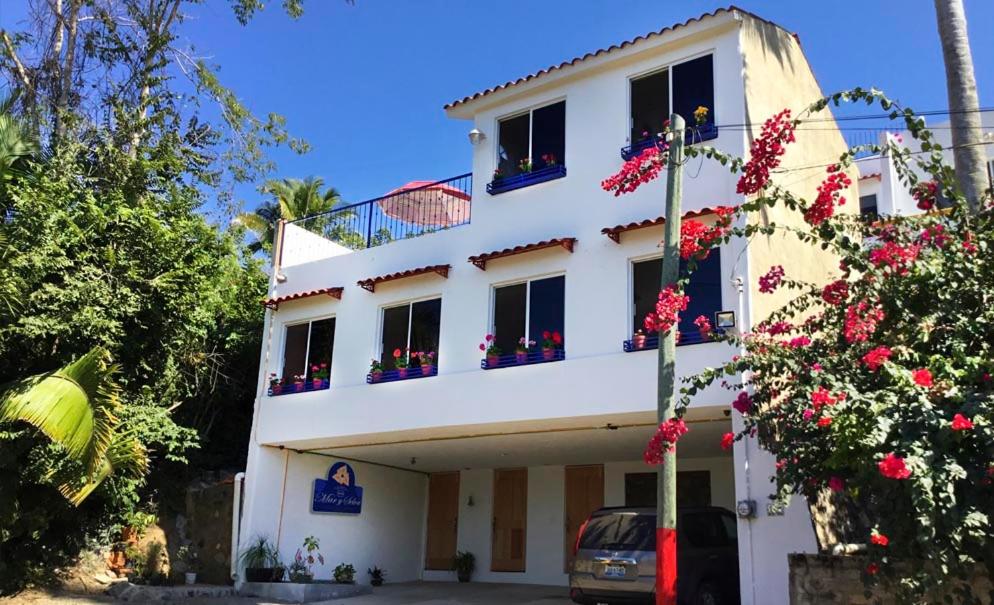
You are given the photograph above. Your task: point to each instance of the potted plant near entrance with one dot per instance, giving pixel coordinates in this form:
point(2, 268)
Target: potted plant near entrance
point(491, 350)
point(303, 562)
point(550, 342)
point(521, 349)
point(376, 575)
point(344, 573)
point(187, 555)
point(401, 362)
point(464, 563)
point(261, 560)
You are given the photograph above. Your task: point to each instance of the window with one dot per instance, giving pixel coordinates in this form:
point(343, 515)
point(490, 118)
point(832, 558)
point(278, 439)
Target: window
point(684, 88)
point(868, 205)
point(307, 345)
point(539, 135)
point(704, 291)
point(990, 174)
point(693, 488)
point(414, 327)
point(527, 310)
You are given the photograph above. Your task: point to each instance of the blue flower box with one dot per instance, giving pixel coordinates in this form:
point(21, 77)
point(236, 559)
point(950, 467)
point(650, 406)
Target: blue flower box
point(532, 357)
point(696, 135)
point(525, 179)
point(395, 375)
point(307, 386)
point(652, 342)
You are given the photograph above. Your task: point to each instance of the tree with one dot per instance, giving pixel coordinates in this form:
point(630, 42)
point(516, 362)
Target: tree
point(16, 147)
point(292, 199)
point(964, 106)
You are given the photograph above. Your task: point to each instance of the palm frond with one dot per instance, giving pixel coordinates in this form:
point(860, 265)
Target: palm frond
point(125, 456)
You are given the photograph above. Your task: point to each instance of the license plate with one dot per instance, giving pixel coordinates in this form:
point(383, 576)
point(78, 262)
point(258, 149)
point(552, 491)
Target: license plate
point(614, 571)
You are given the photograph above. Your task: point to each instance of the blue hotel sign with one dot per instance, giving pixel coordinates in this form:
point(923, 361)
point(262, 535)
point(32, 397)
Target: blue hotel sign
point(338, 493)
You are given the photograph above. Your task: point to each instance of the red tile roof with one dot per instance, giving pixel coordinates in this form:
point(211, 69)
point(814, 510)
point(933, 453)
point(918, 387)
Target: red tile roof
point(370, 283)
point(603, 51)
point(615, 232)
point(481, 260)
point(872, 175)
point(274, 303)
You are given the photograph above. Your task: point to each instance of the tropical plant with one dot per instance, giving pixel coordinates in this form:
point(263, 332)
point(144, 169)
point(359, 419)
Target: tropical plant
point(292, 199)
point(344, 573)
point(376, 575)
point(16, 146)
point(261, 553)
point(464, 563)
point(76, 408)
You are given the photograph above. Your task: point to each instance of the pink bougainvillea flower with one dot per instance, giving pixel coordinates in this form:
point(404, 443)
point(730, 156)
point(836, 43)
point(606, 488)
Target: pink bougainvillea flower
point(922, 377)
point(934, 235)
point(925, 194)
point(743, 403)
point(893, 467)
point(822, 397)
point(824, 421)
point(637, 171)
point(894, 256)
point(765, 153)
point(772, 280)
point(668, 306)
point(808, 414)
point(861, 321)
point(816, 367)
point(696, 238)
point(828, 196)
point(961, 423)
point(836, 484)
point(664, 440)
point(727, 440)
point(798, 341)
point(876, 358)
point(968, 246)
point(878, 539)
point(836, 292)
point(872, 569)
point(703, 325)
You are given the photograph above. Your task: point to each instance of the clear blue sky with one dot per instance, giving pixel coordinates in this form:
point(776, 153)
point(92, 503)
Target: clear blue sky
point(365, 83)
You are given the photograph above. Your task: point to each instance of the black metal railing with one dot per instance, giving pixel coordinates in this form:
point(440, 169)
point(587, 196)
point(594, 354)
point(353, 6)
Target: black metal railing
point(416, 209)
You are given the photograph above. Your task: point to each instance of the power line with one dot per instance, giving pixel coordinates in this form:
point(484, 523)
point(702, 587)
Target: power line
point(878, 116)
point(826, 165)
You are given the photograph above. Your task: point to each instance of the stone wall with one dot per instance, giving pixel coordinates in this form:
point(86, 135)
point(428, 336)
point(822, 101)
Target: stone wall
point(835, 580)
point(208, 527)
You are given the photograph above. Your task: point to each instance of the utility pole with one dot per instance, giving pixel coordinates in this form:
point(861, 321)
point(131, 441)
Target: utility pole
point(964, 106)
point(666, 375)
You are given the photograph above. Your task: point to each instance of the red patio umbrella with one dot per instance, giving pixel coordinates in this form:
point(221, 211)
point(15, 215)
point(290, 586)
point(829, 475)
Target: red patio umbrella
point(427, 203)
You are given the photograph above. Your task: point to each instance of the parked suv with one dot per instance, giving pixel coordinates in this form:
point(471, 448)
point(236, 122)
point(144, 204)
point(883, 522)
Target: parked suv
point(615, 558)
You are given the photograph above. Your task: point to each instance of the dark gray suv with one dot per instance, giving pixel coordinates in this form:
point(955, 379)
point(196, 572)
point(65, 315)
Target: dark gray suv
point(616, 557)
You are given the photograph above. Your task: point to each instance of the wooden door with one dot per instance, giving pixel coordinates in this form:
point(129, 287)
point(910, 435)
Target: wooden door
point(584, 495)
point(443, 520)
point(509, 522)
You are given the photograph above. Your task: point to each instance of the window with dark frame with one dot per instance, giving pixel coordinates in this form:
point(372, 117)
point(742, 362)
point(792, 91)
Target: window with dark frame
point(539, 135)
point(307, 345)
point(704, 290)
point(680, 89)
point(410, 327)
point(868, 205)
point(527, 310)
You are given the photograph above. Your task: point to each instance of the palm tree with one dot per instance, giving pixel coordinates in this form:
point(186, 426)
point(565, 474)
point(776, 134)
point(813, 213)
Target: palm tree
point(75, 407)
point(292, 199)
point(964, 107)
point(16, 146)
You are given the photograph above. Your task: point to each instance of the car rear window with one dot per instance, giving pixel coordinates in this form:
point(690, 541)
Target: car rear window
point(708, 530)
point(620, 531)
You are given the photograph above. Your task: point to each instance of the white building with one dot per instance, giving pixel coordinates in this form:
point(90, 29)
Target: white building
point(881, 191)
point(507, 462)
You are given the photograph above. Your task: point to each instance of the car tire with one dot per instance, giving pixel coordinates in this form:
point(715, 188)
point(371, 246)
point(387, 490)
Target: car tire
point(708, 594)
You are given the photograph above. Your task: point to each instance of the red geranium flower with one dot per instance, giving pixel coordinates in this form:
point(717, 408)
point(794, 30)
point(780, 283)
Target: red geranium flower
point(961, 423)
point(557, 338)
point(879, 539)
point(893, 467)
point(727, 440)
point(922, 377)
point(396, 353)
point(546, 334)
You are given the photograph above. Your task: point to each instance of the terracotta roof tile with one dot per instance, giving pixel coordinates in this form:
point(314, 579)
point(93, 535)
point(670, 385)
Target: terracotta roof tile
point(615, 232)
point(274, 303)
point(370, 283)
point(481, 260)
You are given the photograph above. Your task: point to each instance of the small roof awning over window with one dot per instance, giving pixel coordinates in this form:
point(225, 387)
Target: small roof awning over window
point(481, 260)
point(274, 303)
point(370, 283)
point(615, 232)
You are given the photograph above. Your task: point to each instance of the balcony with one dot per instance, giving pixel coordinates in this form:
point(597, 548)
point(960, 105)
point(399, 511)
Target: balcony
point(415, 209)
point(693, 135)
point(649, 343)
point(525, 179)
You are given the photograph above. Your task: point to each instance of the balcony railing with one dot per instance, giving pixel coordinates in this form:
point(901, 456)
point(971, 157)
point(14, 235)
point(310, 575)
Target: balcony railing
point(531, 357)
point(418, 208)
point(652, 342)
point(699, 134)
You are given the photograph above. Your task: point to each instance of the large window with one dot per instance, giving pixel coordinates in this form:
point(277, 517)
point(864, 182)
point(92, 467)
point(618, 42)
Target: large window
point(868, 205)
point(684, 87)
point(538, 136)
point(414, 327)
point(527, 310)
point(704, 291)
point(308, 345)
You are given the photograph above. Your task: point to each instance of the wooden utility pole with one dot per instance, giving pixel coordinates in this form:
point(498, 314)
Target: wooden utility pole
point(666, 375)
point(964, 106)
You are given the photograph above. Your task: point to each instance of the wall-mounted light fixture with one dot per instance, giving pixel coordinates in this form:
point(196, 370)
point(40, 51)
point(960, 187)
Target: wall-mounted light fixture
point(724, 320)
point(476, 136)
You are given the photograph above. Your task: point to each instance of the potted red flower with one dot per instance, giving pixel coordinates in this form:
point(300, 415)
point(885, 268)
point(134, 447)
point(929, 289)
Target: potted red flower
point(491, 350)
point(275, 384)
point(638, 340)
point(298, 383)
point(401, 362)
point(319, 376)
point(550, 342)
point(521, 350)
point(375, 370)
point(427, 362)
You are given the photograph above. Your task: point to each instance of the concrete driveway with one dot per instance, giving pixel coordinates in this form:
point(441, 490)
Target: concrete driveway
point(449, 593)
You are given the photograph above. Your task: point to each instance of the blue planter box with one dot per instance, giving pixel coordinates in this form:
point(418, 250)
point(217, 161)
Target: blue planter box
point(704, 133)
point(652, 342)
point(290, 389)
point(394, 375)
point(526, 178)
point(533, 357)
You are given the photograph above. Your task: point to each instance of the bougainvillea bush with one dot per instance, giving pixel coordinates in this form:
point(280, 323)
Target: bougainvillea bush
point(873, 390)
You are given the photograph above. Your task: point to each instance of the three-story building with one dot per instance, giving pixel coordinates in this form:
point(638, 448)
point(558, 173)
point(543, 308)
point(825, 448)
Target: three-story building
point(505, 456)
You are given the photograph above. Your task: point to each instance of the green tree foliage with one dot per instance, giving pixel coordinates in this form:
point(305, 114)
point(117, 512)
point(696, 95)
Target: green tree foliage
point(295, 199)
